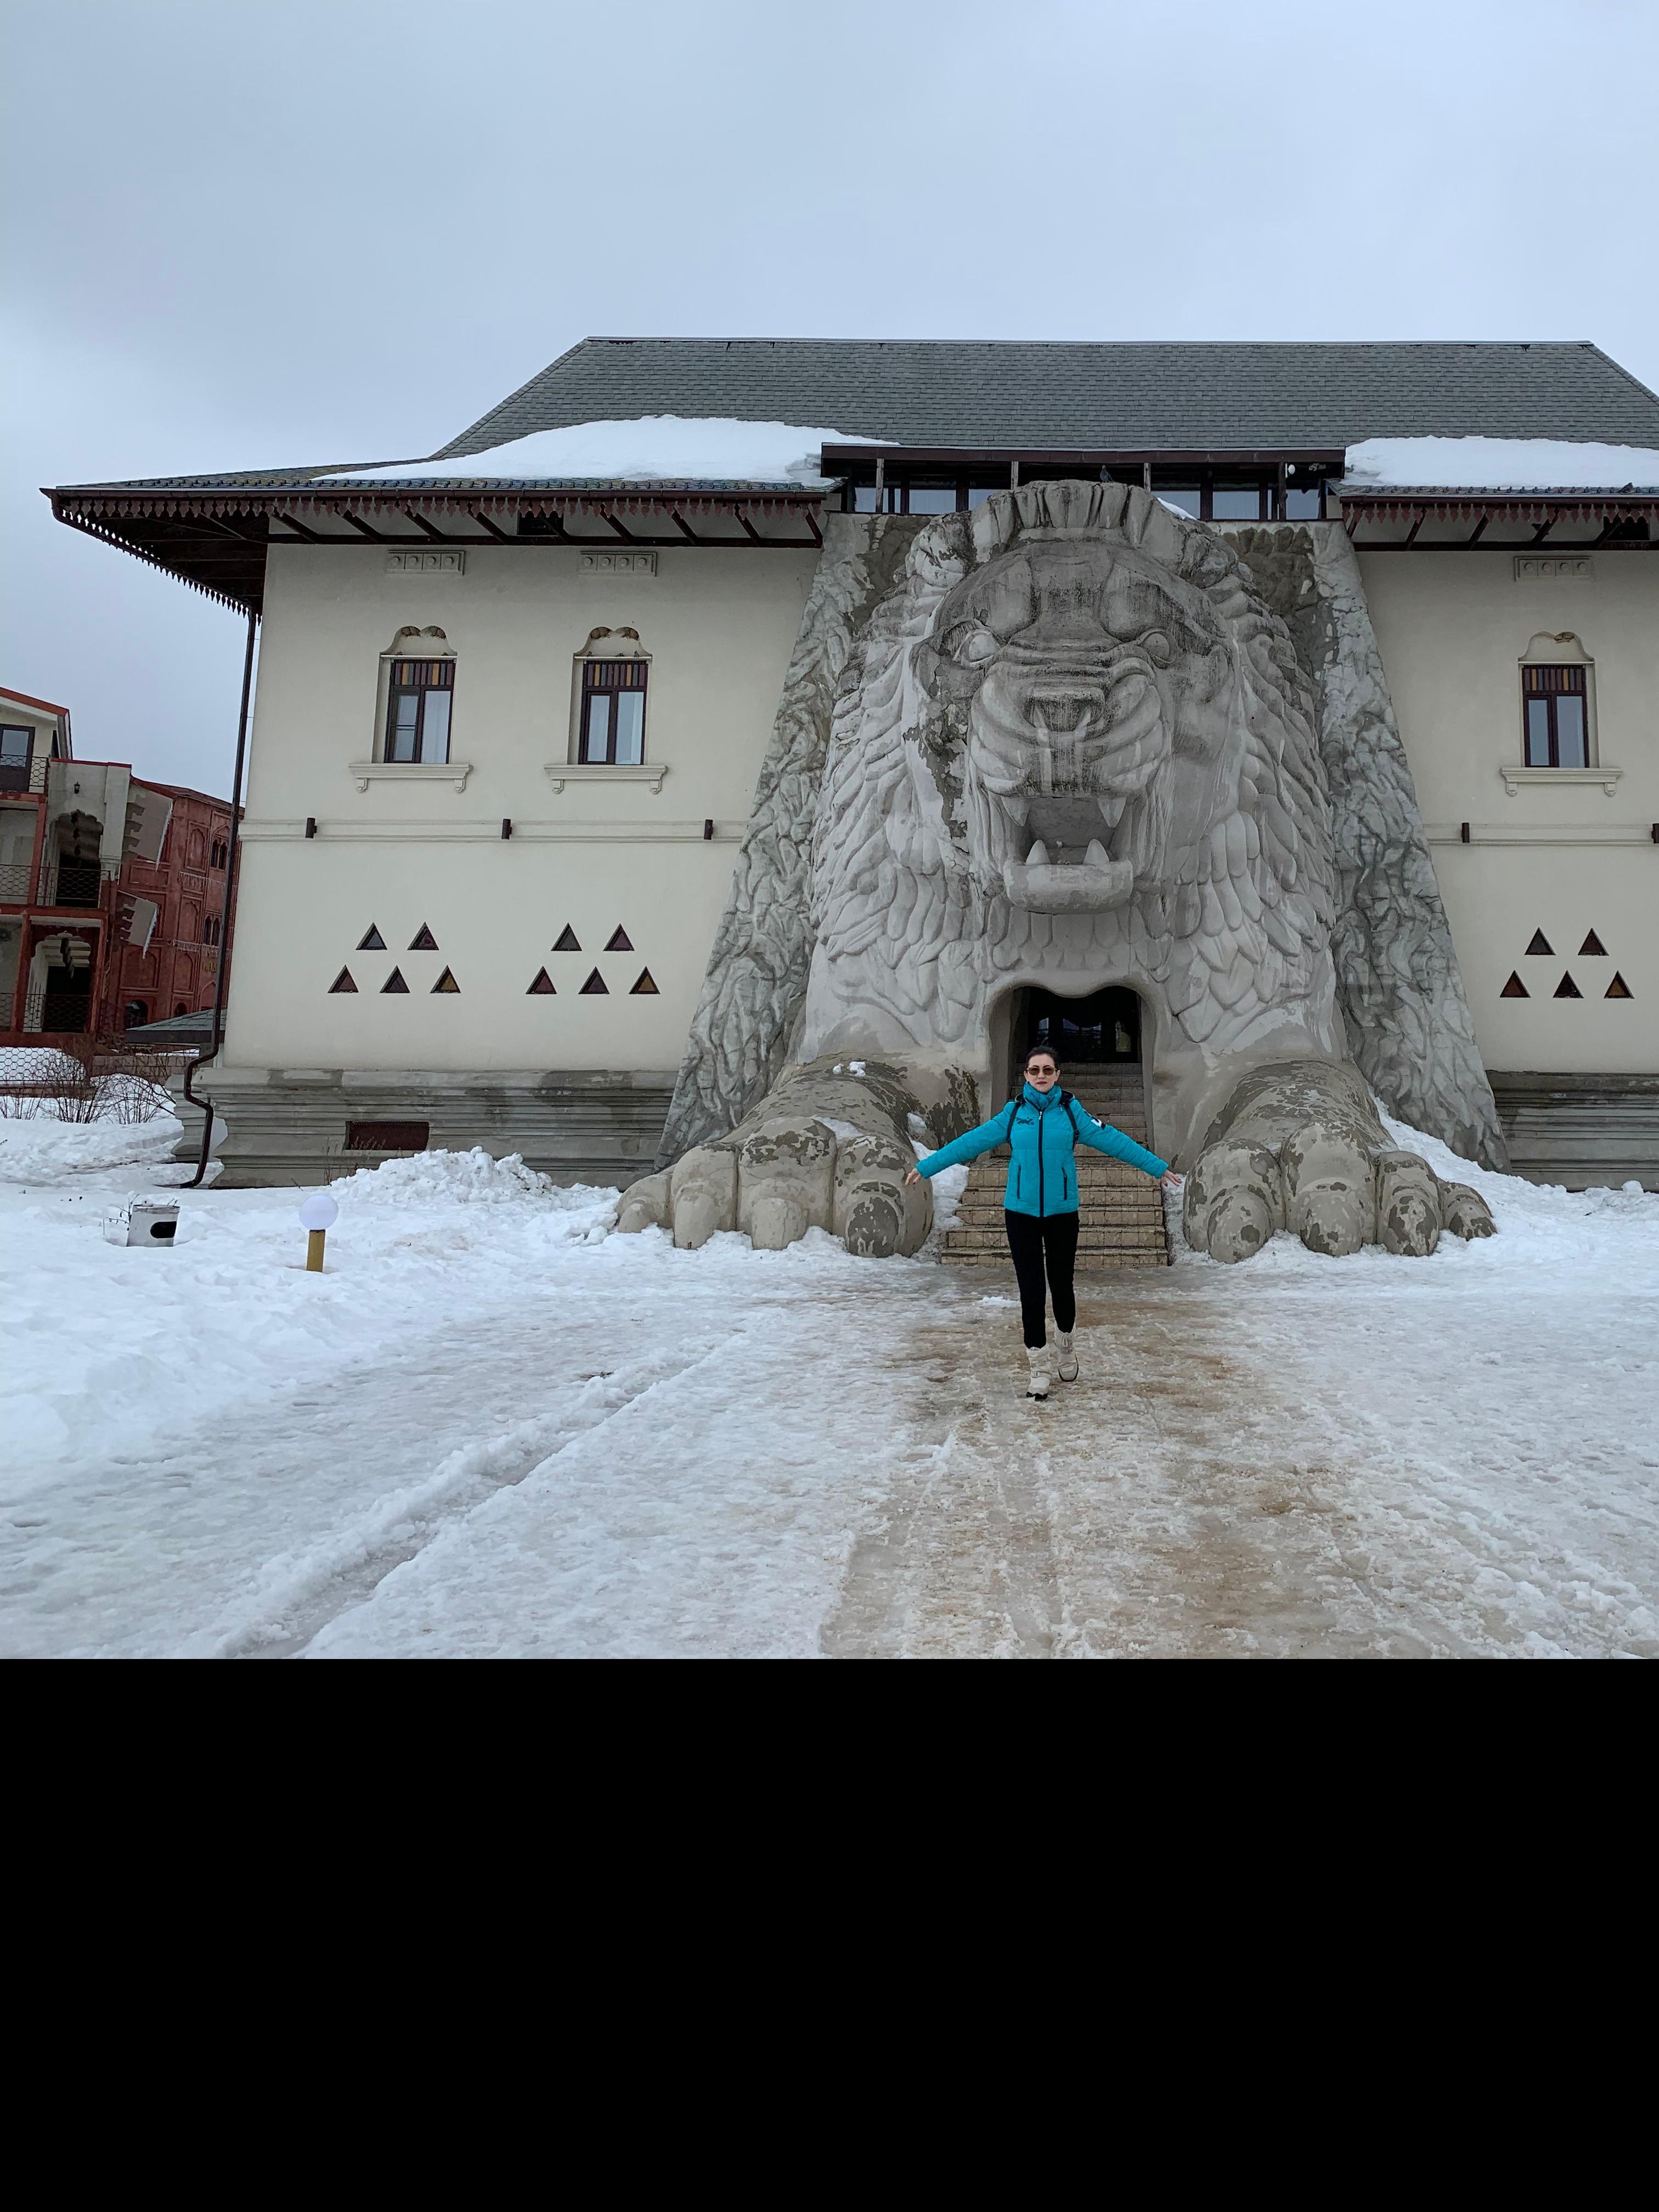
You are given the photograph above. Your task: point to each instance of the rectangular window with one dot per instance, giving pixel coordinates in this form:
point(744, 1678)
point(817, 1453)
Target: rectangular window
point(1554, 717)
point(16, 752)
point(613, 712)
point(1237, 502)
point(1187, 497)
point(417, 710)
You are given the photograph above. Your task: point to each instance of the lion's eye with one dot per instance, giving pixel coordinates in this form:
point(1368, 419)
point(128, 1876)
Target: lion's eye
point(1156, 646)
point(972, 643)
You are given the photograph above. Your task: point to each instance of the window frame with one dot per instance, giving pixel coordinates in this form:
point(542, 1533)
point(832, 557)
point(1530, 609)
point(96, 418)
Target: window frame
point(440, 677)
point(1531, 691)
point(10, 769)
point(610, 678)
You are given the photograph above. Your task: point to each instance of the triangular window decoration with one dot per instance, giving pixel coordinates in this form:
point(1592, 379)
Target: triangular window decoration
point(1619, 988)
point(1592, 948)
point(374, 942)
point(423, 940)
point(568, 940)
point(596, 987)
point(446, 983)
point(1514, 988)
point(620, 940)
point(645, 988)
point(1566, 989)
point(1539, 944)
point(394, 981)
point(543, 985)
point(342, 981)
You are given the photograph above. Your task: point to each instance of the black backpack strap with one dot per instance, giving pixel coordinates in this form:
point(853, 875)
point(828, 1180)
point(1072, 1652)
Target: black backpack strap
point(1070, 1104)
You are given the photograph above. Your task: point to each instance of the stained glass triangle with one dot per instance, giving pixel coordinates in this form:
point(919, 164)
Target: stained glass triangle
point(446, 983)
point(620, 941)
point(543, 985)
point(394, 981)
point(645, 988)
point(423, 940)
point(342, 981)
point(374, 942)
point(1619, 988)
point(1514, 988)
point(596, 987)
point(1592, 948)
point(568, 940)
point(1539, 944)
point(1566, 989)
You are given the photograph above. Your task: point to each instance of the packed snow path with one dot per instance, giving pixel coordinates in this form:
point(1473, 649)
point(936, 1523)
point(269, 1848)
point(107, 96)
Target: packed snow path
point(492, 1429)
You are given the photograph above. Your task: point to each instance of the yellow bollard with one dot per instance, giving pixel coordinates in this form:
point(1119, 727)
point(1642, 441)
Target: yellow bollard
point(317, 1216)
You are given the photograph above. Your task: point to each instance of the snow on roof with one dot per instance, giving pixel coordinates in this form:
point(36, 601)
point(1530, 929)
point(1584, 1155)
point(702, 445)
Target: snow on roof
point(649, 449)
point(1499, 464)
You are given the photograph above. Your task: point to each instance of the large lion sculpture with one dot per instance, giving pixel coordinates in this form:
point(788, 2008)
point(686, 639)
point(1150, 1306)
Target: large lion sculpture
point(1065, 742)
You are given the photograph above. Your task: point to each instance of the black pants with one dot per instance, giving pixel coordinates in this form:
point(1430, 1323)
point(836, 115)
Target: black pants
point(1032, 1242)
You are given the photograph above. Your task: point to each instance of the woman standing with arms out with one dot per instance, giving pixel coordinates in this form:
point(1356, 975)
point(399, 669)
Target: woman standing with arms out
point(1042, 1128)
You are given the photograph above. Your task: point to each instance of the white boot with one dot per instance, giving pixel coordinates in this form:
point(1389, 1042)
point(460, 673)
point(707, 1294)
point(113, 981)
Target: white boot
point(1066, 1365)
point(1038, 1356)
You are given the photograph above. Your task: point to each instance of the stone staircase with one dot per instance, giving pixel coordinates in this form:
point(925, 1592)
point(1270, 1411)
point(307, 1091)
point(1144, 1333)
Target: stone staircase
point(1120, 1211)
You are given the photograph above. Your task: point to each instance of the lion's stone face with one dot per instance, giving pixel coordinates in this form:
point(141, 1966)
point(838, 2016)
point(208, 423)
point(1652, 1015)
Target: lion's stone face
point(1084, 670)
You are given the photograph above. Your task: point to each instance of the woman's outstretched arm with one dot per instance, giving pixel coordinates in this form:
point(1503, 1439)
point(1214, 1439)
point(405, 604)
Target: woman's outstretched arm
point(968, 1146)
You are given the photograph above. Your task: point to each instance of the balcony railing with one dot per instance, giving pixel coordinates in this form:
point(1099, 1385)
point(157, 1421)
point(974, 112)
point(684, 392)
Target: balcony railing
point(15, 883)
point(24, 776)
point(59, 1013)
point(78, 883)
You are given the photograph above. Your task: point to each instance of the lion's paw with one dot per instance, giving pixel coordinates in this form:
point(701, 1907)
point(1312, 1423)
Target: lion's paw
point(787, 1169)
point(1300, 1147)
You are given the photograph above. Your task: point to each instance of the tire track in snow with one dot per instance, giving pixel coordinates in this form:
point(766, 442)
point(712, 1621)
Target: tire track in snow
point(297, 1594)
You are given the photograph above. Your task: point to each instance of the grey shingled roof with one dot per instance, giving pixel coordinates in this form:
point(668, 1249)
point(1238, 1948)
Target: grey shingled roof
point(1115, 396)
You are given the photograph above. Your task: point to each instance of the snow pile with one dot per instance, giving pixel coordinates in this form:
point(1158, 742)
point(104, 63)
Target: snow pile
point(473, 1178)
point(42, 1151)
point(651, 449)
point(1500, 464)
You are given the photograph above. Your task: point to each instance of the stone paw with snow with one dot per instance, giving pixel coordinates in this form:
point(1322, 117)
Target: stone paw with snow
point(1299, 1145)
point(828, 1147)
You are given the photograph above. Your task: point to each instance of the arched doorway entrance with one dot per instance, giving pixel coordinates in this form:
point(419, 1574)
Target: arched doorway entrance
point(1104, 1026)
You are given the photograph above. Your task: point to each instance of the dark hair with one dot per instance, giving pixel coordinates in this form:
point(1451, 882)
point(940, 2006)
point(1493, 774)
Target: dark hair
point(1041, 1051)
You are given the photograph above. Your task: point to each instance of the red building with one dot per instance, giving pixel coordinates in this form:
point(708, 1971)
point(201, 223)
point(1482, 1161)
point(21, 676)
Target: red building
point(111, 887)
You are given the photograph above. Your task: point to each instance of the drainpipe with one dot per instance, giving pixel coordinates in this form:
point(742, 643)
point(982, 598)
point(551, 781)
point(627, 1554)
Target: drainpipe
point(224, 912)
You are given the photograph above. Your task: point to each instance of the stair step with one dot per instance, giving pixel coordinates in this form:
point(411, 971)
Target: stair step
point(1093, 1263)
point(1118, 1240)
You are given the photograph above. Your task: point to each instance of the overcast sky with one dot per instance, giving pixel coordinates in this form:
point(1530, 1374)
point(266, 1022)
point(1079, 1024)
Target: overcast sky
point(245, 232)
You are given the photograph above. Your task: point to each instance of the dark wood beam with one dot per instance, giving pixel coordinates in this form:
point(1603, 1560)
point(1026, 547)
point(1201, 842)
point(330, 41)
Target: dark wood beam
point(1478, 531)
point(1544, 529)
point(374, 537)
point(484, 523)
point(753, 533)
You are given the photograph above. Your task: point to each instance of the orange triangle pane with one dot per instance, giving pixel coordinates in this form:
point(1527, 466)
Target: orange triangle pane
point(1619, 988)
point(446, 983)
point(1514, 988)
point(645, 988)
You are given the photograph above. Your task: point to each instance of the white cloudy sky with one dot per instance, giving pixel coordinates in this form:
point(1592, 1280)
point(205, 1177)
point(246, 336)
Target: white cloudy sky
point(241, 233)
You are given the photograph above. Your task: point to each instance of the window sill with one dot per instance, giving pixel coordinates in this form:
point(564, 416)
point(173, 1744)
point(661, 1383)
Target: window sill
point(559, 773)
point(1515, 777)
point(363, 772)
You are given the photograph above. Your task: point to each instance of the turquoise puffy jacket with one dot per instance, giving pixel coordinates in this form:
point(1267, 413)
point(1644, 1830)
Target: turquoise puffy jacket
point(1042, 1129)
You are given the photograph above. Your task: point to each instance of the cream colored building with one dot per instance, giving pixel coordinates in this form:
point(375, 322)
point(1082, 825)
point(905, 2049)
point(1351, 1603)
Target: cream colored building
point(512, 703)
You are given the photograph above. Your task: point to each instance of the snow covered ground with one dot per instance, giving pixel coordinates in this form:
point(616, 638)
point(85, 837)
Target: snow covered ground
point(492, 1427)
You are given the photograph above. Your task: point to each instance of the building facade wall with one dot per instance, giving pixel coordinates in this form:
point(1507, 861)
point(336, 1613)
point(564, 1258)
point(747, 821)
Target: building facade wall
point(412, 851)
point(1564, 858)
point(178, 971)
